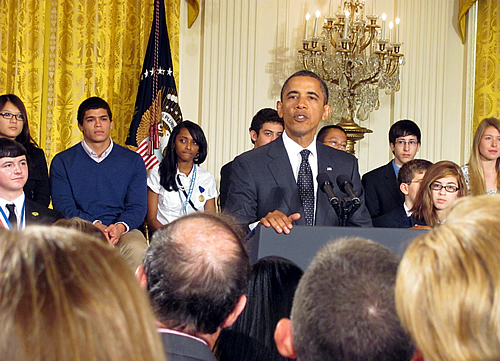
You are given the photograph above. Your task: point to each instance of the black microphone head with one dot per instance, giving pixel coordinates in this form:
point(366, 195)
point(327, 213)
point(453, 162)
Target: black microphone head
point(322, 179)
point(342, 180)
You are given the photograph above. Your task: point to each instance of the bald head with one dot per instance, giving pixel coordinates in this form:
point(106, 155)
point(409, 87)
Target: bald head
point(196, 269)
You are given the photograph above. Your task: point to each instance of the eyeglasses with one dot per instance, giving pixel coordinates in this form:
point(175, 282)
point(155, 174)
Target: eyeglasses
point(337, 144)
point(19, 117)
point(401, 143)
point(435, 186)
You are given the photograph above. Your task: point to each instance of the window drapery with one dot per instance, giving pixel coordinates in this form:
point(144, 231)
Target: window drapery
point(55, 54)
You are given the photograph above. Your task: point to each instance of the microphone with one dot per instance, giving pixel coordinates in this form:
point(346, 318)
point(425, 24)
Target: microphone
point(345, 185)
point(325, 184)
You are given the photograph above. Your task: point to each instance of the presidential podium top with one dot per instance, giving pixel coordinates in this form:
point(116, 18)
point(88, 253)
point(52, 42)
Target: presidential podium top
point(303, 242)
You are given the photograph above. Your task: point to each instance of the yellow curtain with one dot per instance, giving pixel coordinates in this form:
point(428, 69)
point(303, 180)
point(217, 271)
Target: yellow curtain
point(55, 54)
point(463, 7)
point(487, 87)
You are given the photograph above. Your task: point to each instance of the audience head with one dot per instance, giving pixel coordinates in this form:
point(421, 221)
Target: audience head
point(196, 271)
point(65, 295)
point(485, 147)
point(13, 111)
point(266, 126)
point(334, 136)
point(93, 103)
point(344, 307)
point(270, 294)
point(409, 178)
point(440, 187)
point(448, 284)
point(82, 226)
point(404, 140)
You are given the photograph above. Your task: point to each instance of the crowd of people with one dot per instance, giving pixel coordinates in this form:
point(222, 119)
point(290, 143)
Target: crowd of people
point(68, 289)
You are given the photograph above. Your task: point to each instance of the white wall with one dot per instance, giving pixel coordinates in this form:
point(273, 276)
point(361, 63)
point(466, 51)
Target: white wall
point(238, 53)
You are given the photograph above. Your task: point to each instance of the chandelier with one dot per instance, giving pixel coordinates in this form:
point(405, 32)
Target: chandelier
point(357, 58)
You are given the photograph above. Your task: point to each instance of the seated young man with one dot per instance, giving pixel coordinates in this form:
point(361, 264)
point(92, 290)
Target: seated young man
point(266, 126)
point(16, 210)
point(382, 193)
point(409, 177)
point(102, 182)
point(333, 136)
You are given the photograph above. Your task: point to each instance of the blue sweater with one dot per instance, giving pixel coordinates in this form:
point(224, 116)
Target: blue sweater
point(111, 191)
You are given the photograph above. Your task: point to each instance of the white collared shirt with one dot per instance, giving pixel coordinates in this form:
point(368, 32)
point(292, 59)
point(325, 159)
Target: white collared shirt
point(93, 155)
point(19, 203)
point(407, 210)
point(293, 150)
point(178, 333)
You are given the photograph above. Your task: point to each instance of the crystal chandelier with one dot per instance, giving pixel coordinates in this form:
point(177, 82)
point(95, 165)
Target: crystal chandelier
point(357, 58)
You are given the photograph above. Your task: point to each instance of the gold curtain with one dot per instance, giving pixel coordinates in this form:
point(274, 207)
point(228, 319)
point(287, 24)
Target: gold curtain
point(55, 54)
point(487, 87)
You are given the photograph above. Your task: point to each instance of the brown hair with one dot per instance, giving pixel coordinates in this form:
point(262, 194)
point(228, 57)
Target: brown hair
point(65, 295)
point(424, 209)
point(81, 225)
point(477, 184)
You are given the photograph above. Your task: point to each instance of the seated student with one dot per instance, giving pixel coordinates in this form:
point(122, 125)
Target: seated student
point(381, 187)
point(448, 284)
point(334, 136)
point(70, 296)
point(16, 209)
point(409, 177)
point(271, 288)
point(266, 126)
point(179, 186)
point(441, 186)
point(481, 173)
point(102, 182)
point(14, 125)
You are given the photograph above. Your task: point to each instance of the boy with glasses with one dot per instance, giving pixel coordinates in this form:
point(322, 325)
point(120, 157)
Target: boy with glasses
point(382, 192)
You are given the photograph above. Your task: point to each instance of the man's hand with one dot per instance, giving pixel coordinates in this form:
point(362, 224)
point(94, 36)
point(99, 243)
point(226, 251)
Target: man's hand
point(279, 221)
point(103, 228)
point(114, 232)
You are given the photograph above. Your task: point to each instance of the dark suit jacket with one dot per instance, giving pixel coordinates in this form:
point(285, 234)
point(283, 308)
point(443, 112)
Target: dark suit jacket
point(180, 348)
point(225, 176)
point(395, 219)
point(262, 181)
point(382, 191)
point(37, 188)
point(38, 214)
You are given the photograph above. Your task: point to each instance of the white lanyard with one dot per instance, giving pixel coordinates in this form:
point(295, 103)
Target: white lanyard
point(6, 222)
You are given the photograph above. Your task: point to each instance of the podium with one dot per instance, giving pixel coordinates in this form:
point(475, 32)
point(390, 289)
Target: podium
point(303, 242)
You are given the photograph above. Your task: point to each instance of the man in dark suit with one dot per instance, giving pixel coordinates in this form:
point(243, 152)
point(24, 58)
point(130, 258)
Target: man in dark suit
point(266, 126)
point(344, 307)
point(381, 187)
point(196, 271)
point(16, 210)
point(273, 184)
point(409, 177)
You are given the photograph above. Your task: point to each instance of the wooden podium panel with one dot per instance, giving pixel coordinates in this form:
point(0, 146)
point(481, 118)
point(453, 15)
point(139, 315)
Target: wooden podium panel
point(303, 242)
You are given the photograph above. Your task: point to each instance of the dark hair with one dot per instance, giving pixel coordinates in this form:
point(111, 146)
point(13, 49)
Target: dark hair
point(324, 131)
point(344, 306)
point(197, 269)
point(12, 149)
point(263, 116)
point(168, 165)
point(93, 103)
point(24, 137)
point(271, 288)
point(310, 74)
point(423, 208)
point(403, 128)
point(409, 169)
